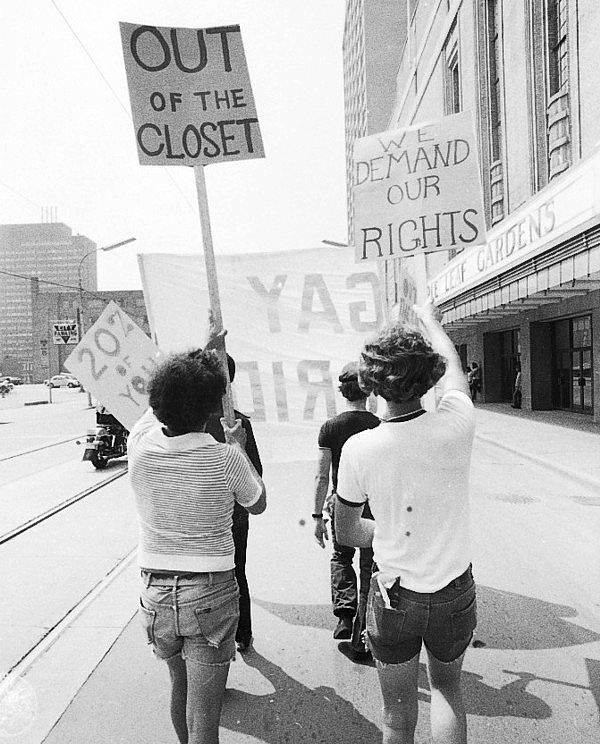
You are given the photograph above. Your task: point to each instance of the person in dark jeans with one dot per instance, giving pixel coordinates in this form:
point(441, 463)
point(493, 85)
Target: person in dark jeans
point(243, 636)
point(349, 600)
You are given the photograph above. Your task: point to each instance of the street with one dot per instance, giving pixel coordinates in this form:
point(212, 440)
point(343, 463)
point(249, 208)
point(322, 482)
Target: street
point(532, 675)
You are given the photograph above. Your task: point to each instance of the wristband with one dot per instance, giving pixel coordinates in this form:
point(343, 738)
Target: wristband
point(317, 516)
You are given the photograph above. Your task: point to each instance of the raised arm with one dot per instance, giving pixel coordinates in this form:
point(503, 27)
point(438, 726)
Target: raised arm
point(455, 378)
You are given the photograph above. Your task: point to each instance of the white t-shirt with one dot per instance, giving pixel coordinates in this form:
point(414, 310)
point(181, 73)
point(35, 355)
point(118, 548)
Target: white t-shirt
point(185, 487)
point(415, 476)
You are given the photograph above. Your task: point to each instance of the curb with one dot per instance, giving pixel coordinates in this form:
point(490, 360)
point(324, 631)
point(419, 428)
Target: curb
point(36, 403)
point(586, 480)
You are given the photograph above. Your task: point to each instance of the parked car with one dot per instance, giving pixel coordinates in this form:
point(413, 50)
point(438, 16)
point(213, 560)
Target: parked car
point(62, 381)
point(13, 380)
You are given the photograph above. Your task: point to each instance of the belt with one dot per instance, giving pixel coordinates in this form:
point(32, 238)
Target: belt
point(172, 577)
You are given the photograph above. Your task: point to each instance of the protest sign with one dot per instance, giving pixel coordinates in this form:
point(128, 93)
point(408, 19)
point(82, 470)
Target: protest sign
point(113, 361)
point(190, 93)
point(417, 190)
point(406, 299)
point(294, 319)
point(65, 332)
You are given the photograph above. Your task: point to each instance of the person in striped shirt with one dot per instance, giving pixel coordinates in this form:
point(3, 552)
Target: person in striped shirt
point(185, 485)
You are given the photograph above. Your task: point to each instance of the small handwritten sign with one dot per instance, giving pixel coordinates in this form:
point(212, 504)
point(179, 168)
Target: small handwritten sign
point(190, 93)
point(114, 361)
point(417, 190)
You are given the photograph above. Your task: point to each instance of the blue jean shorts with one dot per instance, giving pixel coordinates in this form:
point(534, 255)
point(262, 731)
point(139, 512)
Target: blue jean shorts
point(195, 615)
point(444, 621)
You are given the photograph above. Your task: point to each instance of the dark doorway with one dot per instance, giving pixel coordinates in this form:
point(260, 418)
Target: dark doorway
point(572, 387)
point(510, 361)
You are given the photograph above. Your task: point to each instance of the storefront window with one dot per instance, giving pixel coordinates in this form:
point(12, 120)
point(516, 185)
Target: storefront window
point(572, 376)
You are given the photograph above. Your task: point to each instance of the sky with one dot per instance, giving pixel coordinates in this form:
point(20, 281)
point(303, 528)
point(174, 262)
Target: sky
point(68, 140)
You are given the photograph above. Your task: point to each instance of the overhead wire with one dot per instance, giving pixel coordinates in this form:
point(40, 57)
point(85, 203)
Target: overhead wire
point(92, 293)
point(114, 93)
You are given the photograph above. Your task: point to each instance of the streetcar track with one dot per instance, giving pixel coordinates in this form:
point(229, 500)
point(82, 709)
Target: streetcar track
point(16, 531)
point(69, 617)
point(43, 447)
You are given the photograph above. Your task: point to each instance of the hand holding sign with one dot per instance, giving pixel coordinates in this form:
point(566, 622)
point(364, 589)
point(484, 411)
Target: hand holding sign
point(114, 361)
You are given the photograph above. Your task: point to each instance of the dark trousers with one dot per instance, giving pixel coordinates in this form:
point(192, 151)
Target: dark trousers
point(346, 596)
point(240, 541)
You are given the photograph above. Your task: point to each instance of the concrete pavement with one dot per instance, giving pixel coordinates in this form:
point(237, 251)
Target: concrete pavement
point(535, 676)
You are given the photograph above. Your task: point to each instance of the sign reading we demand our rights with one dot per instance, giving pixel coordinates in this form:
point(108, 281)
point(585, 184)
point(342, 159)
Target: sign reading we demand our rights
point(190, 95)
point(417, 190)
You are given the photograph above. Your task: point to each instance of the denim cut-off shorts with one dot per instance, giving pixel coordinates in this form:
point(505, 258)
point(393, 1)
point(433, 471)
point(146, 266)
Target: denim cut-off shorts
point(195, 615)
point(444, 621)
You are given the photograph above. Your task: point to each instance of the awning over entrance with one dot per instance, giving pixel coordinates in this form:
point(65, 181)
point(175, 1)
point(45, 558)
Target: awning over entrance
point(543, 280)
point(544, 252)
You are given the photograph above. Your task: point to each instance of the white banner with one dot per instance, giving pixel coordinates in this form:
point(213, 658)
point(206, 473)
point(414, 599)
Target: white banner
point(417, 190)
point(113, 361)
point(294, 319)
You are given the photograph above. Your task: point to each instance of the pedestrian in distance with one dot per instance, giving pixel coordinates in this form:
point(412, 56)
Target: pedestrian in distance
point(348, 597)
point(474, 380)
point(517, 392)
point(413, 470)
point(185, 485)
point(243, 635)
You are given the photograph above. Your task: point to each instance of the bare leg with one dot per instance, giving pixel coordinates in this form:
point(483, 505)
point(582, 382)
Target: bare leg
point(206, 687)
point(448, 718)
point(400, 703)
point(178, 673)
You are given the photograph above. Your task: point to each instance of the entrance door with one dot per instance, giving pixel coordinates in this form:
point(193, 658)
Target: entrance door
point(581, 380)
point(510, 361)
point(573, 388)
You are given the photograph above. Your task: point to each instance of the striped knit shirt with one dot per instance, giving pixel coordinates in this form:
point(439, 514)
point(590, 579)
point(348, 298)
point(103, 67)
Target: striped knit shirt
point(185, 487)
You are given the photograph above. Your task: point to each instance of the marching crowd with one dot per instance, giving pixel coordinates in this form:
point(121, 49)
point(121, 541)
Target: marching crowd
point(395, 487)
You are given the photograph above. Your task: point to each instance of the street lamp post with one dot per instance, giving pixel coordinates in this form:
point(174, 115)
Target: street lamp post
point(80, 312)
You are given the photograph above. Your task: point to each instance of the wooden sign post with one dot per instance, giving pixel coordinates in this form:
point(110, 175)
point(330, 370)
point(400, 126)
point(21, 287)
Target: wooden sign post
point(192, 105)
point(213, 285)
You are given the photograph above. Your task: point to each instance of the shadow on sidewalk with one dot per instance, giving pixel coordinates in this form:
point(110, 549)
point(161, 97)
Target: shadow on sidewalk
point(505, 620)
point(294, 712)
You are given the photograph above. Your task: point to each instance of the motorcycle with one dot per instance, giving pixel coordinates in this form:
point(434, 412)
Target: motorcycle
point(107, 441)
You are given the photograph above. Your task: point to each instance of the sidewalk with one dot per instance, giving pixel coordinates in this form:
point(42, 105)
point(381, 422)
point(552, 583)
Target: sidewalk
point(568, 444)
point(536, 679)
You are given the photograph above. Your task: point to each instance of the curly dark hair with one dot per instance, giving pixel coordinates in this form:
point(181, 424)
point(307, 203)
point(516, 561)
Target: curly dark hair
point(185, 389)
point(399, 365)
point(351, 391)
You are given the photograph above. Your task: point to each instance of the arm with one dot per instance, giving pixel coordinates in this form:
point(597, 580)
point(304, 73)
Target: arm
point(350, 527)
point(455, 378)
point(236, 437)
point(321, 486)
point(251, 448)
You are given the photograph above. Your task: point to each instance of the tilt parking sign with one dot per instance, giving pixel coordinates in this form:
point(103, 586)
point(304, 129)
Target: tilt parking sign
point(65, 333)
point(417, 190)
point(190, 93)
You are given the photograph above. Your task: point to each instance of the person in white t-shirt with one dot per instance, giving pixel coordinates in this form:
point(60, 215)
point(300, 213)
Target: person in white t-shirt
point(413, 470)
point(185, 485)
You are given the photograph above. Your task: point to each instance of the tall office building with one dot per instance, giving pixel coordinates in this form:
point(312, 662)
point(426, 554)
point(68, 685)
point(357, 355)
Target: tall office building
point(44, 257)
point(374, 34)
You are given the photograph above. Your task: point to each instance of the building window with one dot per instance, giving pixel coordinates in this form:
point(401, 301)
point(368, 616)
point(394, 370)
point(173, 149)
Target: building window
point(558, 64)
point(557, 110)
point(494, 68)
point(453, 82)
